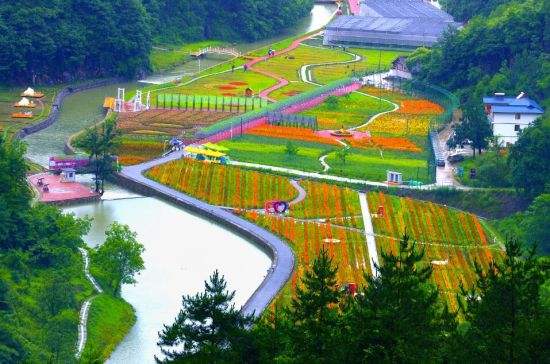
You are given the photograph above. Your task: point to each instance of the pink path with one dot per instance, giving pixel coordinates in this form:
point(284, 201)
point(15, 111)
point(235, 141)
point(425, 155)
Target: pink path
point(61, 191)
point(281, 82)
point(354, 7)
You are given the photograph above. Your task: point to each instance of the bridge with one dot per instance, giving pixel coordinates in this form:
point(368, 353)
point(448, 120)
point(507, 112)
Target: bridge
point(217, 50)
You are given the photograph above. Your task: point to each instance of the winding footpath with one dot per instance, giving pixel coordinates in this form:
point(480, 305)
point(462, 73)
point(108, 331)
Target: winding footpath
point(282, 256)
point(85, 309)
point(369, 235)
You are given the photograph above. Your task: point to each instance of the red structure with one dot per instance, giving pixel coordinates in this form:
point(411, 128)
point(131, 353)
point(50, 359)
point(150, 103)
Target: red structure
point(276, 207)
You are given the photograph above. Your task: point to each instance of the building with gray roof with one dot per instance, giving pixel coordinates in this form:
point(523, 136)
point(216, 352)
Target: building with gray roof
point(390, 23)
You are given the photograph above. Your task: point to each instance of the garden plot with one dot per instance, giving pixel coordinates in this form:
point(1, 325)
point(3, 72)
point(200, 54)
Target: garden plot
point(168, 122)
point(292, 89)
point(288, 65)
point(139, 149)
point(373, 60)
point(347, 111)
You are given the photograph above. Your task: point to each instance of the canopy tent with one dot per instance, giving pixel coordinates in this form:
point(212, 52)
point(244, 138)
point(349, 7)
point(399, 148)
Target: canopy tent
point(215, 147)
point(24, 102)
point(205, 152)
point(29, 92)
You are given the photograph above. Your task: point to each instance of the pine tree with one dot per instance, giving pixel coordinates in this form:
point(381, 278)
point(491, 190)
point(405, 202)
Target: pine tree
point(315, 315)
point(398, 317)
point(506, 320)
point(208, 329)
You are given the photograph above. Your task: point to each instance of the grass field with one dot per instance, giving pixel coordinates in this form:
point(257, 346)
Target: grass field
point(109, 321)
point(350, 111)
point(288, 65)
point(292, 89)
point(369, 63)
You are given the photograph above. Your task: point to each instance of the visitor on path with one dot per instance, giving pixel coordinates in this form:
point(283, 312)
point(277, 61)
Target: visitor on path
point(245, 67)
point(233, 68)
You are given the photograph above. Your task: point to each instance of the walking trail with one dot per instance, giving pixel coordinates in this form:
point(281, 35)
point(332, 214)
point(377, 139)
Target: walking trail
point(85, 309)
point(301, 192)
point(280, 253)
point(369, 234)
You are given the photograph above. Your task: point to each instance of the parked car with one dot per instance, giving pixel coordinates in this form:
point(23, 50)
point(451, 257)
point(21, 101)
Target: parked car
point(440, 162)
point(455, 158)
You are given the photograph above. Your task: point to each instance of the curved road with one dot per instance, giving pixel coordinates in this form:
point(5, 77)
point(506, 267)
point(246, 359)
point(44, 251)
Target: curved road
point(282, 256)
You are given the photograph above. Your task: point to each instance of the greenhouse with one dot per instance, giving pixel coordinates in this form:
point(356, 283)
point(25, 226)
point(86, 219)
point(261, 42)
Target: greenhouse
point(390, 23)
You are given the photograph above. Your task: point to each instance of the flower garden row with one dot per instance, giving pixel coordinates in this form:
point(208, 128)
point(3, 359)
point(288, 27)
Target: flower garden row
point(330, 217)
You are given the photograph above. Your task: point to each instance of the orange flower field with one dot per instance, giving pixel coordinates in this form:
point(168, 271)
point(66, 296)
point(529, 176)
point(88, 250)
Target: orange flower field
point(222, 185)
point(389, 143)
point(420, 107)
point(400, 124)
point(292, 133)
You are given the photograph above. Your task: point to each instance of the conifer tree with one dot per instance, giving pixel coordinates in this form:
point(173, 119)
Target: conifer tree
point(398, 317)
point(506, 319)
point(208, 329)
point(314, 314)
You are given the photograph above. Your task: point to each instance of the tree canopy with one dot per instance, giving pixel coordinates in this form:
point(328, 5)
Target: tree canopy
point(66, 40)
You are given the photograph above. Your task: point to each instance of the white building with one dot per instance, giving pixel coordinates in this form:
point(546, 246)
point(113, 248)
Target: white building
point(508, 115)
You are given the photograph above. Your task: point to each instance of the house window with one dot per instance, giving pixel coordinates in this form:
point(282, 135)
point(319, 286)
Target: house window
point(516, 127)
point(518, 116)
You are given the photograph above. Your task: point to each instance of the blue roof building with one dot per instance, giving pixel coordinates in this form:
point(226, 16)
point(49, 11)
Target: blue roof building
point(509, 115)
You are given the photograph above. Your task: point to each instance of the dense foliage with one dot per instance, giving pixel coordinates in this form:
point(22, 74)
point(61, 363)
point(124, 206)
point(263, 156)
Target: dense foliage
point(463, 10)
point(506, 51)
point(185, 20)
point(397, 317)
point(65, 40)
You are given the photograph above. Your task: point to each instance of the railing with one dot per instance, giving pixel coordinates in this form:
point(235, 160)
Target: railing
point(228, 128)
point(217, 50)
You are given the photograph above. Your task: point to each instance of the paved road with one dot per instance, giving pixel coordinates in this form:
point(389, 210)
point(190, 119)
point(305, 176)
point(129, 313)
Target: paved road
point(282, 256)
point(369, 234)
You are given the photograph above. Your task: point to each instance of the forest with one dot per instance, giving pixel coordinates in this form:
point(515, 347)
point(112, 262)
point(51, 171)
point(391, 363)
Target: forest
point(58, 41)
point(505, 51)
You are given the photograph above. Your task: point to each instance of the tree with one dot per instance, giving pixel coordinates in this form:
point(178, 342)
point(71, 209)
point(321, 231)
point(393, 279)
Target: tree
point(119, 258)
point(61, 329)
point(57, 294)
point(506, 319)
point(101, 144)
point(208, 328)
point(342, 154)
point(529, 158)
point(537, 222)
point(397, 317)
point(291, 149)
point(475, 127)
point(314, 314)
point(332, 102)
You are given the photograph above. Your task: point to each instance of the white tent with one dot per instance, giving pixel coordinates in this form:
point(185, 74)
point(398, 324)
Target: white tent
point(28, 92)
point(24, 102)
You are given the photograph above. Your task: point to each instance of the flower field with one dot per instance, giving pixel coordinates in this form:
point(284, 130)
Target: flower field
point(289, 64)
point(168, 122)
point(291, 133)
point(222, 185)
point(400, 124)
point(138, 150)
point(453, 239)
point(346, 246)
point(292, 89)
point(386, 143)
point(368, 63)
point(420, 107)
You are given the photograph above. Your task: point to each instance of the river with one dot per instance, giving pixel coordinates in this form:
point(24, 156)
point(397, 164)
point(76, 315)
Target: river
point(181, 249)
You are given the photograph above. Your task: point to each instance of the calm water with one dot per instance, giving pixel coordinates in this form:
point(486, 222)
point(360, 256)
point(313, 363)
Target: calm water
point(181, 251)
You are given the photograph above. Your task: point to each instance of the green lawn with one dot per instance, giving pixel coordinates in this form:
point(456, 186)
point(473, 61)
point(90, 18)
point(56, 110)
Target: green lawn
point(271, 151)
point(292, 89)
point(351, 110)
point(109, 321)
point(373, 60)
point(369, 164)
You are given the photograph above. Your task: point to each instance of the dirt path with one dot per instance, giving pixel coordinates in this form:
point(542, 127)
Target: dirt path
point(85, 309)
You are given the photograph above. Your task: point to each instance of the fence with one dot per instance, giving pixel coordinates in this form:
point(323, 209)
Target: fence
point(228, 128)
point(209, 103)
point(301, 121)
point(57, 102)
